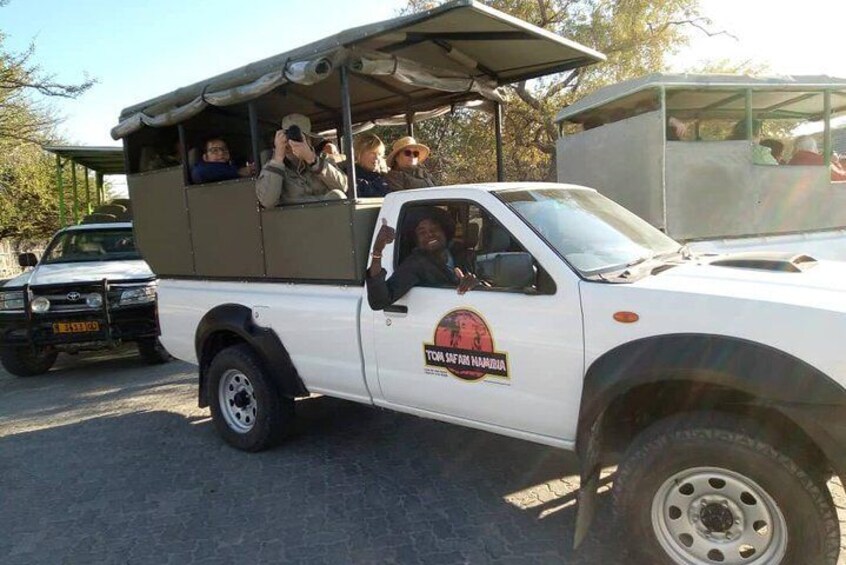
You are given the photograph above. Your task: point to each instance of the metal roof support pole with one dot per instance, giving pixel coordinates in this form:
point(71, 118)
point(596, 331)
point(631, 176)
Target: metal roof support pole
point(98, 181)
point(87, 191)
point(827, 144)
point(662, 97)
point(748, 98)
point(500, 165)
point(409, 124)
point(61, 188)
point(342, 143)
point(75, 194)
point(348, 138)
point(183, 154)
point(254, 134)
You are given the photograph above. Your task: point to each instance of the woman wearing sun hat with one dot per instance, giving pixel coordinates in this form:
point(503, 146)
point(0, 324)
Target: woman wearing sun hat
point(406, 163)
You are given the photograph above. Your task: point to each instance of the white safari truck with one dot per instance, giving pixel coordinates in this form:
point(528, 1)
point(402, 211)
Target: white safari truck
point(597, 333)
point(687, 153)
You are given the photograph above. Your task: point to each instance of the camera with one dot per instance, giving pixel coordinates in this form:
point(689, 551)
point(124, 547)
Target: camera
point(294, 133)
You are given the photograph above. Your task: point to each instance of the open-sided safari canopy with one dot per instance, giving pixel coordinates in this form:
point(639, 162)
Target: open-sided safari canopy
point(706, 185)
point(391, 73)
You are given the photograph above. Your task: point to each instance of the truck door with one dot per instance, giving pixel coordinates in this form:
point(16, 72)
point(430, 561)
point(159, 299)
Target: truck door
point(509, 355)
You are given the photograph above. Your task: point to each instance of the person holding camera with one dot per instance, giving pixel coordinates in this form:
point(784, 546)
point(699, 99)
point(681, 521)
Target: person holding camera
point(296, 173)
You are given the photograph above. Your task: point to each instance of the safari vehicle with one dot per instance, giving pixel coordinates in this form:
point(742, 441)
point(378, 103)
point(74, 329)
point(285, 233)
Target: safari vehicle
point(597, 333)
point(706, 190)
point(91, 290)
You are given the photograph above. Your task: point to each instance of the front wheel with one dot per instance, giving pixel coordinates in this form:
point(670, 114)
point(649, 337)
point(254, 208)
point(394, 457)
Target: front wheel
point(27, 361)
point(700, 489)
point(247, 410)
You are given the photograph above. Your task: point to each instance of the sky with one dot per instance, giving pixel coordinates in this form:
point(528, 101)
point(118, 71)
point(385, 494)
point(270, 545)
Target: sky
point(141, 49)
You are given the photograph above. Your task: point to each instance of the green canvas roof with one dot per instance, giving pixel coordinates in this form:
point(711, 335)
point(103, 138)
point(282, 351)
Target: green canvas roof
point(459, 51)
point(721, 94)
point(105, 160)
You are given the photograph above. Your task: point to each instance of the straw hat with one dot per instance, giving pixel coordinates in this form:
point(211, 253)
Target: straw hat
point(407, 142)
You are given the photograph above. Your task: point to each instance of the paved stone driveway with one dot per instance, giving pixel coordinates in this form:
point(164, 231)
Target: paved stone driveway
point(106, 460)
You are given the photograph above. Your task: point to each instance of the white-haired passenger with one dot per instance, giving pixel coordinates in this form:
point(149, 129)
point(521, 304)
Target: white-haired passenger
point(806, 152)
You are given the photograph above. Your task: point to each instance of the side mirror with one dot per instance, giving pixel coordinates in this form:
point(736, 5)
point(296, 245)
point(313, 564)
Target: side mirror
point(507, 270)
point(27, 260)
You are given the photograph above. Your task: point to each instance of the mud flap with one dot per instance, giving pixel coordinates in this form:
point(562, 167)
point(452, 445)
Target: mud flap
point(590, 451)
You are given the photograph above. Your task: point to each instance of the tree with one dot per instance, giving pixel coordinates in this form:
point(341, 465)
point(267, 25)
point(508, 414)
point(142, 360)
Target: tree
point(28, 199)
point(636, 36)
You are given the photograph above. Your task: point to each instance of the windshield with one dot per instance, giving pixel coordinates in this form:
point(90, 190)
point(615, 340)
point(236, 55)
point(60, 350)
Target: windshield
point(92, 245)
point(593, 233)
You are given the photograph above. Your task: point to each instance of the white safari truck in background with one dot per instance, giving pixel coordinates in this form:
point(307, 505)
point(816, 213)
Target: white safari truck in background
point(595, 333)
point(706, 189)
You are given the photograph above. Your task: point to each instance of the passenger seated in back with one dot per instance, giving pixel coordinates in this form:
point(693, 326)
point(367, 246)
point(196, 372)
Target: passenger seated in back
point(776, 148)
point(676, 129)
point(406, 162)
point(370, 166)
point(806, 152)
point(215, 165)
point(296, 174)
point(760, 155)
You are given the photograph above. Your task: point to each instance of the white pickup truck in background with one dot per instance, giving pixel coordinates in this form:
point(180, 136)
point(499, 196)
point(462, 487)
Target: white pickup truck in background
point(716, 383)
point(91, 290)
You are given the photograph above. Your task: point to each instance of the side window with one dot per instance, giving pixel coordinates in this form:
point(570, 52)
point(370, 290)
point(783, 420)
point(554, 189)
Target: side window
point(499, 259)
point(476, 242)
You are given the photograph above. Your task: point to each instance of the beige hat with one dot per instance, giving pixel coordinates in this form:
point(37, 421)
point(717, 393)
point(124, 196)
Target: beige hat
point(297, 120)
point(406, 143)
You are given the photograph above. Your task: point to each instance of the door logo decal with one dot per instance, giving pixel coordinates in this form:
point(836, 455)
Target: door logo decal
point(464, 345)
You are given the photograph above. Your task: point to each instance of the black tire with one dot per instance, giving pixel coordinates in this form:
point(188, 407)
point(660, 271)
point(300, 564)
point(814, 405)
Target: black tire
point(273, 417)
point(682, 444)
point(152, 351)
point(26, 361)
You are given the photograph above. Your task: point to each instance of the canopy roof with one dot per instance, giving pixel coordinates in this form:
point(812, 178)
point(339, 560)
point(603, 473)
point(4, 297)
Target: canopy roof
point(716, 95)
point(104, 160)
point(459, 51)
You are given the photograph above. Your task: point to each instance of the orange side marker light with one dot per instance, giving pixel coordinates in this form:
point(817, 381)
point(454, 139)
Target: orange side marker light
point(626, 317)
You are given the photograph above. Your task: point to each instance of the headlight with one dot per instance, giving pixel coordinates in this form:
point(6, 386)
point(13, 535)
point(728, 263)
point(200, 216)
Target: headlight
point(140, 295)
point(94, 300)
point(40, 305)
point(12, 300)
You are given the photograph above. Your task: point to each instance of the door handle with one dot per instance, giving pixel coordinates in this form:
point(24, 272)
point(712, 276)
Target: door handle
point(396, 309)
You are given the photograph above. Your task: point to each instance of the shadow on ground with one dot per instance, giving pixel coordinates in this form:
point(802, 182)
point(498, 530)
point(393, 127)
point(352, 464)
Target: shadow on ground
point(354, 485)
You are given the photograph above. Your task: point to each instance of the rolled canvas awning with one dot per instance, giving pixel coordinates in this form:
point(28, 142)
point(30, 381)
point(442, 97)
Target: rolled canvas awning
point(424, 62)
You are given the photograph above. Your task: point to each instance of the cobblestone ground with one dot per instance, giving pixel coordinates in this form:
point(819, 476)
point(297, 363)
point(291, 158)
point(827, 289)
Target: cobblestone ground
point(106, 460)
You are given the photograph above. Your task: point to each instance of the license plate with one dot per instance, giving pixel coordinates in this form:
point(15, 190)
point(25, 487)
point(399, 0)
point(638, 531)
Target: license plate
point(75, 327)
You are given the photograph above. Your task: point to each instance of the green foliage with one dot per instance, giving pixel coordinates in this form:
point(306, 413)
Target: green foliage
point(636, 35)
point(28, 195)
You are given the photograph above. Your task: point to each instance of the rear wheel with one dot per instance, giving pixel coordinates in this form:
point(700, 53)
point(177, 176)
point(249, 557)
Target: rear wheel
point(247, 410)
point(27, 361)
point(704, 489)
point(152, 351)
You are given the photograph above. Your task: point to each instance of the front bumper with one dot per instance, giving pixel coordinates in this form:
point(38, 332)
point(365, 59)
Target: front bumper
point(115, 323)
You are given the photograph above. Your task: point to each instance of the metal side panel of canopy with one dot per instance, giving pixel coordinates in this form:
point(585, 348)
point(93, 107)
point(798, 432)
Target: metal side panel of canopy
point(394, 72)
point(102, 160)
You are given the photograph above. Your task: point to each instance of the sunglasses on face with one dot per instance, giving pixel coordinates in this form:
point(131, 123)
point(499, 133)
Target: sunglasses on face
point(410, 153)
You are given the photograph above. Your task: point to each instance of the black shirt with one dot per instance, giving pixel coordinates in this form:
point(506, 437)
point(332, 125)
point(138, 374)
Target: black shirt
point(418, 269)
point(370, 183)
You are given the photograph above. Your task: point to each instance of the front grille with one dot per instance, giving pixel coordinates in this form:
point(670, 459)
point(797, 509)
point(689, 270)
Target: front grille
point(60, 301)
